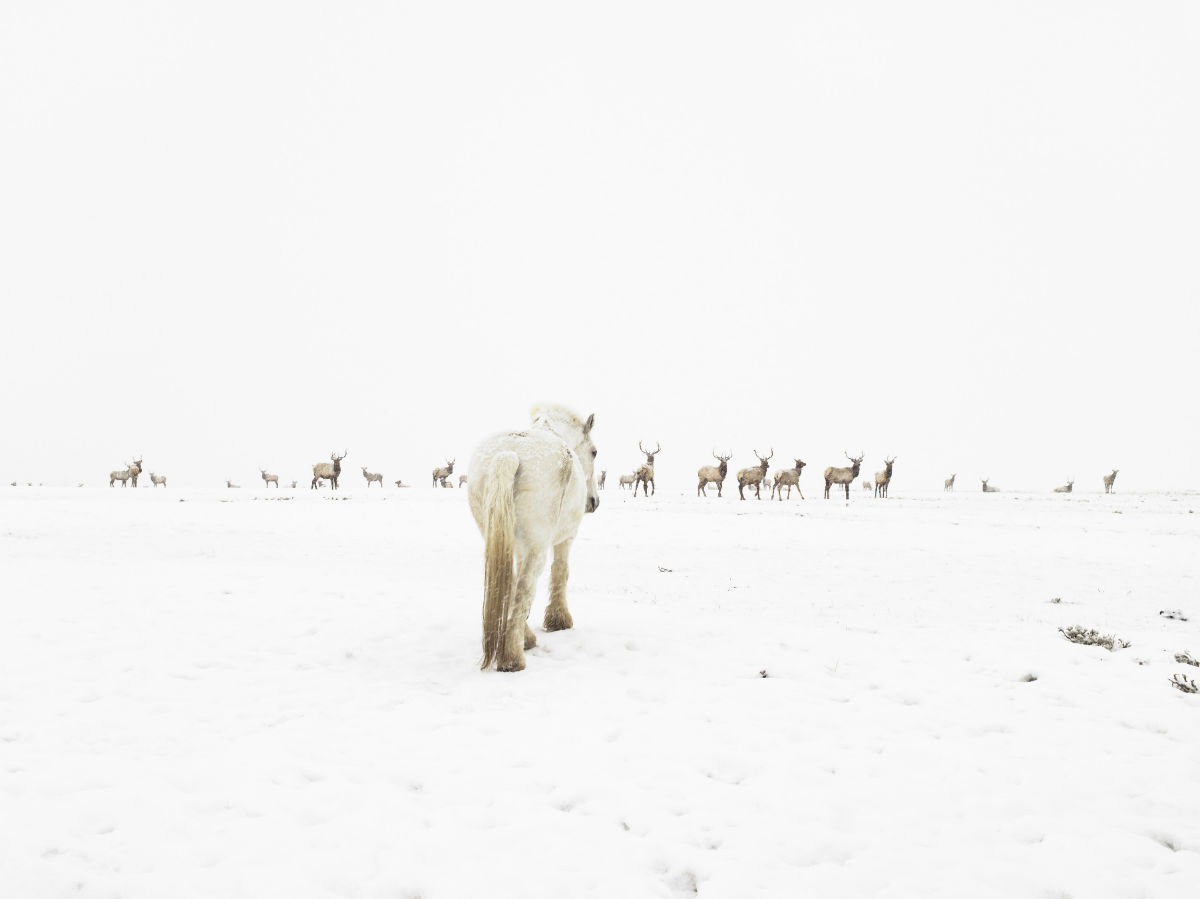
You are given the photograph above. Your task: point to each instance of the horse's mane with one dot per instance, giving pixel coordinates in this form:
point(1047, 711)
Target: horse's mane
point(553, 413)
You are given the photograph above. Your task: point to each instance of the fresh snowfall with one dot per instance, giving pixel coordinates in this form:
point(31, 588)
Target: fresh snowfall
point(208, 694)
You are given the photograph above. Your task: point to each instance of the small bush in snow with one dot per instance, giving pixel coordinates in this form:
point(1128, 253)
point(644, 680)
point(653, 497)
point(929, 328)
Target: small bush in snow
point(1092, 637)
point(1186, 658)
point(1180, 682)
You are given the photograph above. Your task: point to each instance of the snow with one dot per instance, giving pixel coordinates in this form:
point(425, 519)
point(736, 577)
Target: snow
point(253, 694)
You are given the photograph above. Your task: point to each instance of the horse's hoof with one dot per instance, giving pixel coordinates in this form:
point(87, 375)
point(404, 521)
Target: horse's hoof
point(557, 620)
point(511, 665)
point(530, 639)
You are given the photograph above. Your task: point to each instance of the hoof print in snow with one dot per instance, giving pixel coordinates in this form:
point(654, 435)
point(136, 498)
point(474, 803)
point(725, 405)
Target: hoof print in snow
point(1092, 637)
point(1184, 683)
point(1177, 614)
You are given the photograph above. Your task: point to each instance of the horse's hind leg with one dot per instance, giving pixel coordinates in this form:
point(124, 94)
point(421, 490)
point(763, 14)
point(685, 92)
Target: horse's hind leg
point(511, 656)
point(558, 617)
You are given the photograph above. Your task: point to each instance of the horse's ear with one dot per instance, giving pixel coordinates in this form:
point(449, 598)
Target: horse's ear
point(587, 425)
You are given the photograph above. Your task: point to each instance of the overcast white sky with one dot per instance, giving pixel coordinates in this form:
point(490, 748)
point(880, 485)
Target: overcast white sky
point(246, 233)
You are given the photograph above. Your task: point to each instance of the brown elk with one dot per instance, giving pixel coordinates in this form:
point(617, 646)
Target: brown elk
point(883, 478)
point(866, 485)
point(843, 476)
point(158, 480)
point(600, 480)
point(401, 483)
point(986, 488)
point(948, 486)
point(127, 474)
point(377, 478)
point(1066, 488)
point(293, 485)
point(645, 474)
point(269, 479)
point(753, 477)
point(329, 471)
point(627, 479)
point(789, 478)
point(1108, 481)
point(713, 474)
point(440, 474)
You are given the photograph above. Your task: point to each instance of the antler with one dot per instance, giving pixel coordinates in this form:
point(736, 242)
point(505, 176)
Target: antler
point(336, 458)
point(761, 459)
point(657, 448)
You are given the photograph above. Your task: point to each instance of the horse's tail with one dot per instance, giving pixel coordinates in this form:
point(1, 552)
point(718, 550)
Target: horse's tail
point(499, 538)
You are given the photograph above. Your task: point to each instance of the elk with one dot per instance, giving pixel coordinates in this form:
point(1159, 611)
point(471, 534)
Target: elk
point(1108, 481)
point(268, 479)
point(440, 474)
point(843, 476)
point(948, 486)
point(293, 485)
point(645, 474)
point(986, 488)
point(600, 480)
point(627, 479)
point(1066, 488)
point(127, 474)
point(233, 486)
point(713, 474)
point(883, 478)
point(401, 483)
point(158, 479)
point(462, 481)
point(329, 471)
point(377, 478)
point(788, 478)
point(753, 477)
point(866, 485)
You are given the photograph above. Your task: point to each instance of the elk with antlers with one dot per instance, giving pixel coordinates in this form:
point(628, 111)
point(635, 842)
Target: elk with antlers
point(883, 478)
point(440, 474)
point(753, 477)
point(986, 488)
point(328, 471)
point(713, 474)
point(377, 478)
point(1108, 481)
point(158, 480)
point(843, 476)
point(1065, 488)
point(269, 479)
point(789, 478)
point(126, 474)
point(645, 474)
point(948, 486)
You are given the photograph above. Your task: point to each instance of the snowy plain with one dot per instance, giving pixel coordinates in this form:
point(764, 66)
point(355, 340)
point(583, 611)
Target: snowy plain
point(236, 693)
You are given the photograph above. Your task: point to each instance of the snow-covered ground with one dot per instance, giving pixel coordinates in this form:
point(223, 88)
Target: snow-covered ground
point(212, 693)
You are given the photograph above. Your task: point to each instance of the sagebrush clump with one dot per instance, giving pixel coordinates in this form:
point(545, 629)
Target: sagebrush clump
point(1092, 637)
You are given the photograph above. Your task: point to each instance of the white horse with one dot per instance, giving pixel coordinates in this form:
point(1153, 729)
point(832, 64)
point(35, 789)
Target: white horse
point(529, 491)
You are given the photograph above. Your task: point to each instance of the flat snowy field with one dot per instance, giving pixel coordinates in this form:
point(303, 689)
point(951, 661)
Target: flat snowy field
point(221, 694)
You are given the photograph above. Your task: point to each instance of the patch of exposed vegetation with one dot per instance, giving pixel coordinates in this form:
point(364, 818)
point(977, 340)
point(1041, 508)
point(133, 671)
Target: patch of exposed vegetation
point(1184, 683)
point(1092, 637)
point(1186, 658)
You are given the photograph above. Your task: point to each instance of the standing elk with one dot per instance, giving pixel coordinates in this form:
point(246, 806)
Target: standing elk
point(867, 486)
point(329, 471)
point(269, 479)
point(293, 485)
point(843, 476)
point(883, 478)
point(377, 478)
point(788, 478)
point(462, 481)
point(1108, 481)
point(125, 475)
point(600, 480)
point(713, 474)
point(440, 474)
point(627, 479)
point(948, 486)
point(986, 488)
point(158, 480)
point(753, 477)
point(645, 474)
point(1065, 489)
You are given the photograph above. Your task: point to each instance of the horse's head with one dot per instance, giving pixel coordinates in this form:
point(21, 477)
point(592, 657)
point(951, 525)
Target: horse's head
point(578, 435)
